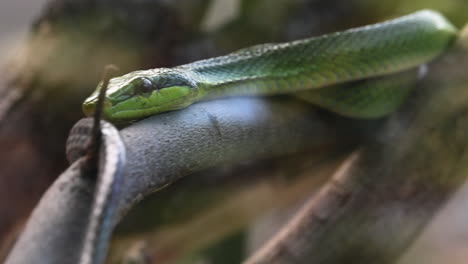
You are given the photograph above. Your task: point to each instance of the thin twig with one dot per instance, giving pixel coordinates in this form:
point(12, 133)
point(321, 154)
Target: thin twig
point(96, 138)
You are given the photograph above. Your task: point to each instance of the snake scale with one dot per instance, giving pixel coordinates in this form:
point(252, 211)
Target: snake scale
point(378, 55)
point(364, 72)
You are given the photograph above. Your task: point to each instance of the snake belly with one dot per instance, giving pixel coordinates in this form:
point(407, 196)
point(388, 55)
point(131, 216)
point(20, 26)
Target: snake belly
point(311, 67)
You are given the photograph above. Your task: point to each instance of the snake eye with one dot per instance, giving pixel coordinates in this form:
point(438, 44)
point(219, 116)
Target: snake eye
point(144, 86)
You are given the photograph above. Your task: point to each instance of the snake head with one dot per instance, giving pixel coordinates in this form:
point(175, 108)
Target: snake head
point(144, 93)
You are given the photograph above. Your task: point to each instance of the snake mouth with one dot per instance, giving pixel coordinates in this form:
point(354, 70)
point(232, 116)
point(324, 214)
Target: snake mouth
point(90, 107)
point(129, 115)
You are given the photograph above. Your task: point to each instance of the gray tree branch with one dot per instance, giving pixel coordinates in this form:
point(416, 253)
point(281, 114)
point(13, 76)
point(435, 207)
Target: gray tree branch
point(169, 146)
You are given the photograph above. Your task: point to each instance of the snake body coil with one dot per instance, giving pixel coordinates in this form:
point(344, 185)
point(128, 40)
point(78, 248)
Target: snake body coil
point(365, 52)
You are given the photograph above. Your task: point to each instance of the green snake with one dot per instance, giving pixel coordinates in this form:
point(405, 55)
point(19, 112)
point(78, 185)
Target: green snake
point(363, 72)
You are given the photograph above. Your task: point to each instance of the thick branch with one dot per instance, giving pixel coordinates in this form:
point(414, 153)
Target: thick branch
point(166, 147)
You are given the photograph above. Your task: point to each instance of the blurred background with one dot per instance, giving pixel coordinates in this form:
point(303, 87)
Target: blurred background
point(52, 53)
point(16, 18)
